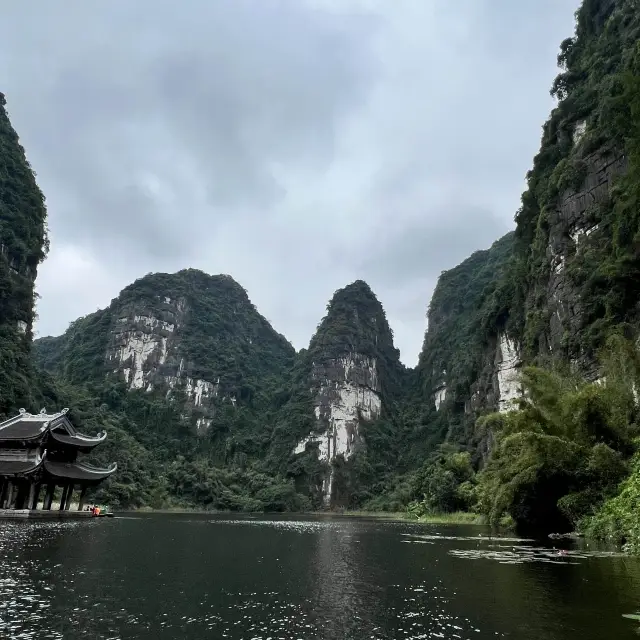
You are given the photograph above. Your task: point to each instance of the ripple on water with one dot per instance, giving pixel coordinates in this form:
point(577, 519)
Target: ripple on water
point(416, 612)
point(25, 603)
point(298, 526)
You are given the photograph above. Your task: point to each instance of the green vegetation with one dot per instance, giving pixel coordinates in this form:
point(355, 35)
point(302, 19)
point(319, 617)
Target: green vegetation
point(617, 520)
point(164, 460)
point(566, 449)
point(456, 517)
point(355, 323)
point(599, 88)
point(23, 245)
point(454, 351)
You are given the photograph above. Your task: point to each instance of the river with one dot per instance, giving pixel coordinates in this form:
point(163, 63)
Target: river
point(159, 576)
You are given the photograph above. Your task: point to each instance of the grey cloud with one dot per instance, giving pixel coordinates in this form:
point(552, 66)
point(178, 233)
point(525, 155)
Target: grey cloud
point(221, 93)
point(423, 250)
point(295, 144)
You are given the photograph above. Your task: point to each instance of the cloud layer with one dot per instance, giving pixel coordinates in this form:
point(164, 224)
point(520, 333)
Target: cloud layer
point(296, 145)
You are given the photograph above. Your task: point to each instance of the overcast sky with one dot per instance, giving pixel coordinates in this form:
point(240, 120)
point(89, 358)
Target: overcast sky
point(296, 145)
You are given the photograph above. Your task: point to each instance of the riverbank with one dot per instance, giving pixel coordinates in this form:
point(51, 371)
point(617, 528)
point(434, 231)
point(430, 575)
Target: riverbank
point(460, 517)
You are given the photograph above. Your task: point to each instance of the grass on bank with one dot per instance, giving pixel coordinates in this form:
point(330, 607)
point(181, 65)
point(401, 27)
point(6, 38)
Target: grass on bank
point(460, 517)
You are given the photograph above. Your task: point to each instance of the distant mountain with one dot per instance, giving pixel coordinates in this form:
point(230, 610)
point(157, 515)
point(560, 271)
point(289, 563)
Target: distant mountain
point(186, 334)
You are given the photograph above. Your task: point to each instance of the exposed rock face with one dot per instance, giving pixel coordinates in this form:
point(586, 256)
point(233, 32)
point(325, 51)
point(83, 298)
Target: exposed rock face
point(348, 360)
point(140, 343)
point(572, 227)
point(507, 375)
point(463, 368)
point(347, 394)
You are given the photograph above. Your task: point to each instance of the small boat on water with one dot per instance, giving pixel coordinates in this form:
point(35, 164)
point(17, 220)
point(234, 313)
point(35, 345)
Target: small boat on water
point(98, 512)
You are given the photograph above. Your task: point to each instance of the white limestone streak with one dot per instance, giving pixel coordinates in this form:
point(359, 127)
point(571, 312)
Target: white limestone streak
point(154, 323)
point(199, 390)
point(136, 351)
point(579, 130)
point(441, 396)
point(509, 387)
point(202, 425)
point(139, 346)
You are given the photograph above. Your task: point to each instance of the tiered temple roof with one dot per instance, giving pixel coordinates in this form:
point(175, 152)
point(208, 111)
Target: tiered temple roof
point(42, 449)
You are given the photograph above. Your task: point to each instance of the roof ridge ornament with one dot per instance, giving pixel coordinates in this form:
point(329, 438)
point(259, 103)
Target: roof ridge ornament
point(22, 411)
point(43, 411)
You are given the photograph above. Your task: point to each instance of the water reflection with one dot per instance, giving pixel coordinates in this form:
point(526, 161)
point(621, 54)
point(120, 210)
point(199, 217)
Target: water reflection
point(162, 577)
point(340, 585)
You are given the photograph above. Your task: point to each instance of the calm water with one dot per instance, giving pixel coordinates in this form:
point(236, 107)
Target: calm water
point(183, 576)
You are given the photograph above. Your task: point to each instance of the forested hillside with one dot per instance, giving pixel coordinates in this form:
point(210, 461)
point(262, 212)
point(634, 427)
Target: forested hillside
point(23, 245)
point(345, 395)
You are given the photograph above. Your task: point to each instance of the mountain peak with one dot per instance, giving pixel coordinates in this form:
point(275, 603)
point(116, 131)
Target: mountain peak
point(355, 322)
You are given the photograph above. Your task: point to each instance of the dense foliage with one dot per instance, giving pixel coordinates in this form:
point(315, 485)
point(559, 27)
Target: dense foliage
point(567, 447)
point(454, 352)
point(566, 458)
point(220, 337)
point(23, 245)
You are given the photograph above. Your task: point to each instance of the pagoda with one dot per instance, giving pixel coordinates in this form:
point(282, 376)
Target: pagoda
point(41, 452)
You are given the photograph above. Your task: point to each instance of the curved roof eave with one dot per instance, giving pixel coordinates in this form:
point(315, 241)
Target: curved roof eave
point(14, 467)
point(79, 439)
point(78, 471)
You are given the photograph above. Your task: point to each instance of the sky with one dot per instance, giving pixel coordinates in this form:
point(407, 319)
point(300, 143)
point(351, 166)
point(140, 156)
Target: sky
point(296, 145)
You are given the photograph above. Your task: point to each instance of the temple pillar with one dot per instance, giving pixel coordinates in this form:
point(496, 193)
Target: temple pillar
point(83, 492)
point(9, 495)
point(36, 495)
point(32, 495)
point(67, 502)
point(21, 494)
point(63, 497)
point(48, 499)
point(3, 492)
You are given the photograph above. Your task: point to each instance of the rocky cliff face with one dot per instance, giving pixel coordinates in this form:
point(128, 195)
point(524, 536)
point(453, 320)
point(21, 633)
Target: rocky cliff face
point(186, 336)
point(353, 371)
point(23, 245)
point(568, 277)
point(464, 367)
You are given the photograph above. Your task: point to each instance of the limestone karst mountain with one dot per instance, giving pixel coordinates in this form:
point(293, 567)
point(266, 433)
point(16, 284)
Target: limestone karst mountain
point(353, 377)
point(23, 245)
point(186, 334)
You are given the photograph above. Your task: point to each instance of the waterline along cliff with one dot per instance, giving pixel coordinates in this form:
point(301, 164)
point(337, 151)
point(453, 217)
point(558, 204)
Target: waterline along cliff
point(523, 406)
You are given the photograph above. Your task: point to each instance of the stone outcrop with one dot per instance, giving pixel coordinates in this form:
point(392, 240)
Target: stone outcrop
point(347, 394)
point(572, 226)
point(144, 348)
